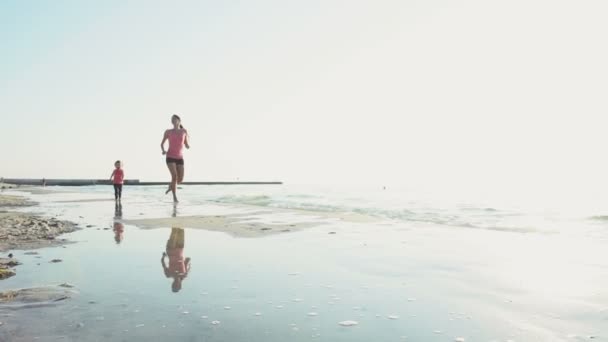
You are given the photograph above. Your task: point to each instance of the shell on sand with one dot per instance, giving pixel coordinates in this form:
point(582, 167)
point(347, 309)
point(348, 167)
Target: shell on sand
point(348, 323)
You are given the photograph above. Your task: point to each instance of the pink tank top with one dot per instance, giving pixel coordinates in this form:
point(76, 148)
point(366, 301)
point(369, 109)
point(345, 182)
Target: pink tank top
point(176, 144)
point(176, 260)
point(119, 176)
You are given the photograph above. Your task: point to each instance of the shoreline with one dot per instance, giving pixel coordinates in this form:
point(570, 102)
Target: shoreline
point(24, 231)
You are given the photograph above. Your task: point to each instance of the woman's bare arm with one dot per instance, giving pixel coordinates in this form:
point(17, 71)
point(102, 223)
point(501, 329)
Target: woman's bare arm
point(186, 143)
point(162, 143)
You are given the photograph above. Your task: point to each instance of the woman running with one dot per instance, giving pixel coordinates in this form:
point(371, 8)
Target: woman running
point(178, 138)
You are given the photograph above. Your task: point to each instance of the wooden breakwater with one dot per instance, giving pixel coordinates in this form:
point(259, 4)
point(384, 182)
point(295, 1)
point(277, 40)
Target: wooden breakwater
point(88, 182)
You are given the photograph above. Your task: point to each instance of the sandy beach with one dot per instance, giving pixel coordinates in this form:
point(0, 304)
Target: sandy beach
point(255, 223)
point(23, 231)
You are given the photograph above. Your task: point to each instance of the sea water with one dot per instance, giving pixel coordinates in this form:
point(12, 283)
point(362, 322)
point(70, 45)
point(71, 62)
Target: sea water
point(425, 267)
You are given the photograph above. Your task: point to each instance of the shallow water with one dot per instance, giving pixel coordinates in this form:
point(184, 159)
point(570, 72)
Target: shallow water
point(401, 278)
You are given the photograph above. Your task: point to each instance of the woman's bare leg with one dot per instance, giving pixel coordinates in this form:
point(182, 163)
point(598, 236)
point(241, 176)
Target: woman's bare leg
point(173, 186)
point(180, 174)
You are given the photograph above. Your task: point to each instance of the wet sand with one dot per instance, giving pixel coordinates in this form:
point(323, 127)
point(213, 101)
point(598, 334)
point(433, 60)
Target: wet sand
point(21, 231)
point(236, 225)
point(252, 224)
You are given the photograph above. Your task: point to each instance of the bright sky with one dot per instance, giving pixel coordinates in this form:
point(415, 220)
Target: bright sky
point(507, 93)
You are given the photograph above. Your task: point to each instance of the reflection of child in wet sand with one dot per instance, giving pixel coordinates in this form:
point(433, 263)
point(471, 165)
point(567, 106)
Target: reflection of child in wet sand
point(119, 230)
point(178, 266)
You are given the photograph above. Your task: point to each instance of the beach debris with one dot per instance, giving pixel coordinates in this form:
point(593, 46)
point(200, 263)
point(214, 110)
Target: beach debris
point(54, 261)
point(215, 322)
point(10, 255)
point(331, 233)
point(92, 302)
point(30, 253)
point(33, 297)
point(348, 323)
point(80, 325)
point(312, 314)
point(393, 317)
point(66, 285)
point(5, 267)
point(89, 225)
point(6, 273)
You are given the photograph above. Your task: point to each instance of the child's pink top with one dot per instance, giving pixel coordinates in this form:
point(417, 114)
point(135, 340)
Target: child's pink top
point(176, 260)
point(176, 143)
point(119, 176)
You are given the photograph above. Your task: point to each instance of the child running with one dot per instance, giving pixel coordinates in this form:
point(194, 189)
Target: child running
point(117, 178)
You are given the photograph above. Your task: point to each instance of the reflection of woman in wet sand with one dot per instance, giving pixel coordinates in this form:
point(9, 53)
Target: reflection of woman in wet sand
point(178, 266)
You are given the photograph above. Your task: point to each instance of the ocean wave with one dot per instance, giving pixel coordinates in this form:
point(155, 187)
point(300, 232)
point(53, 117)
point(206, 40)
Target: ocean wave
point(476, 218)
